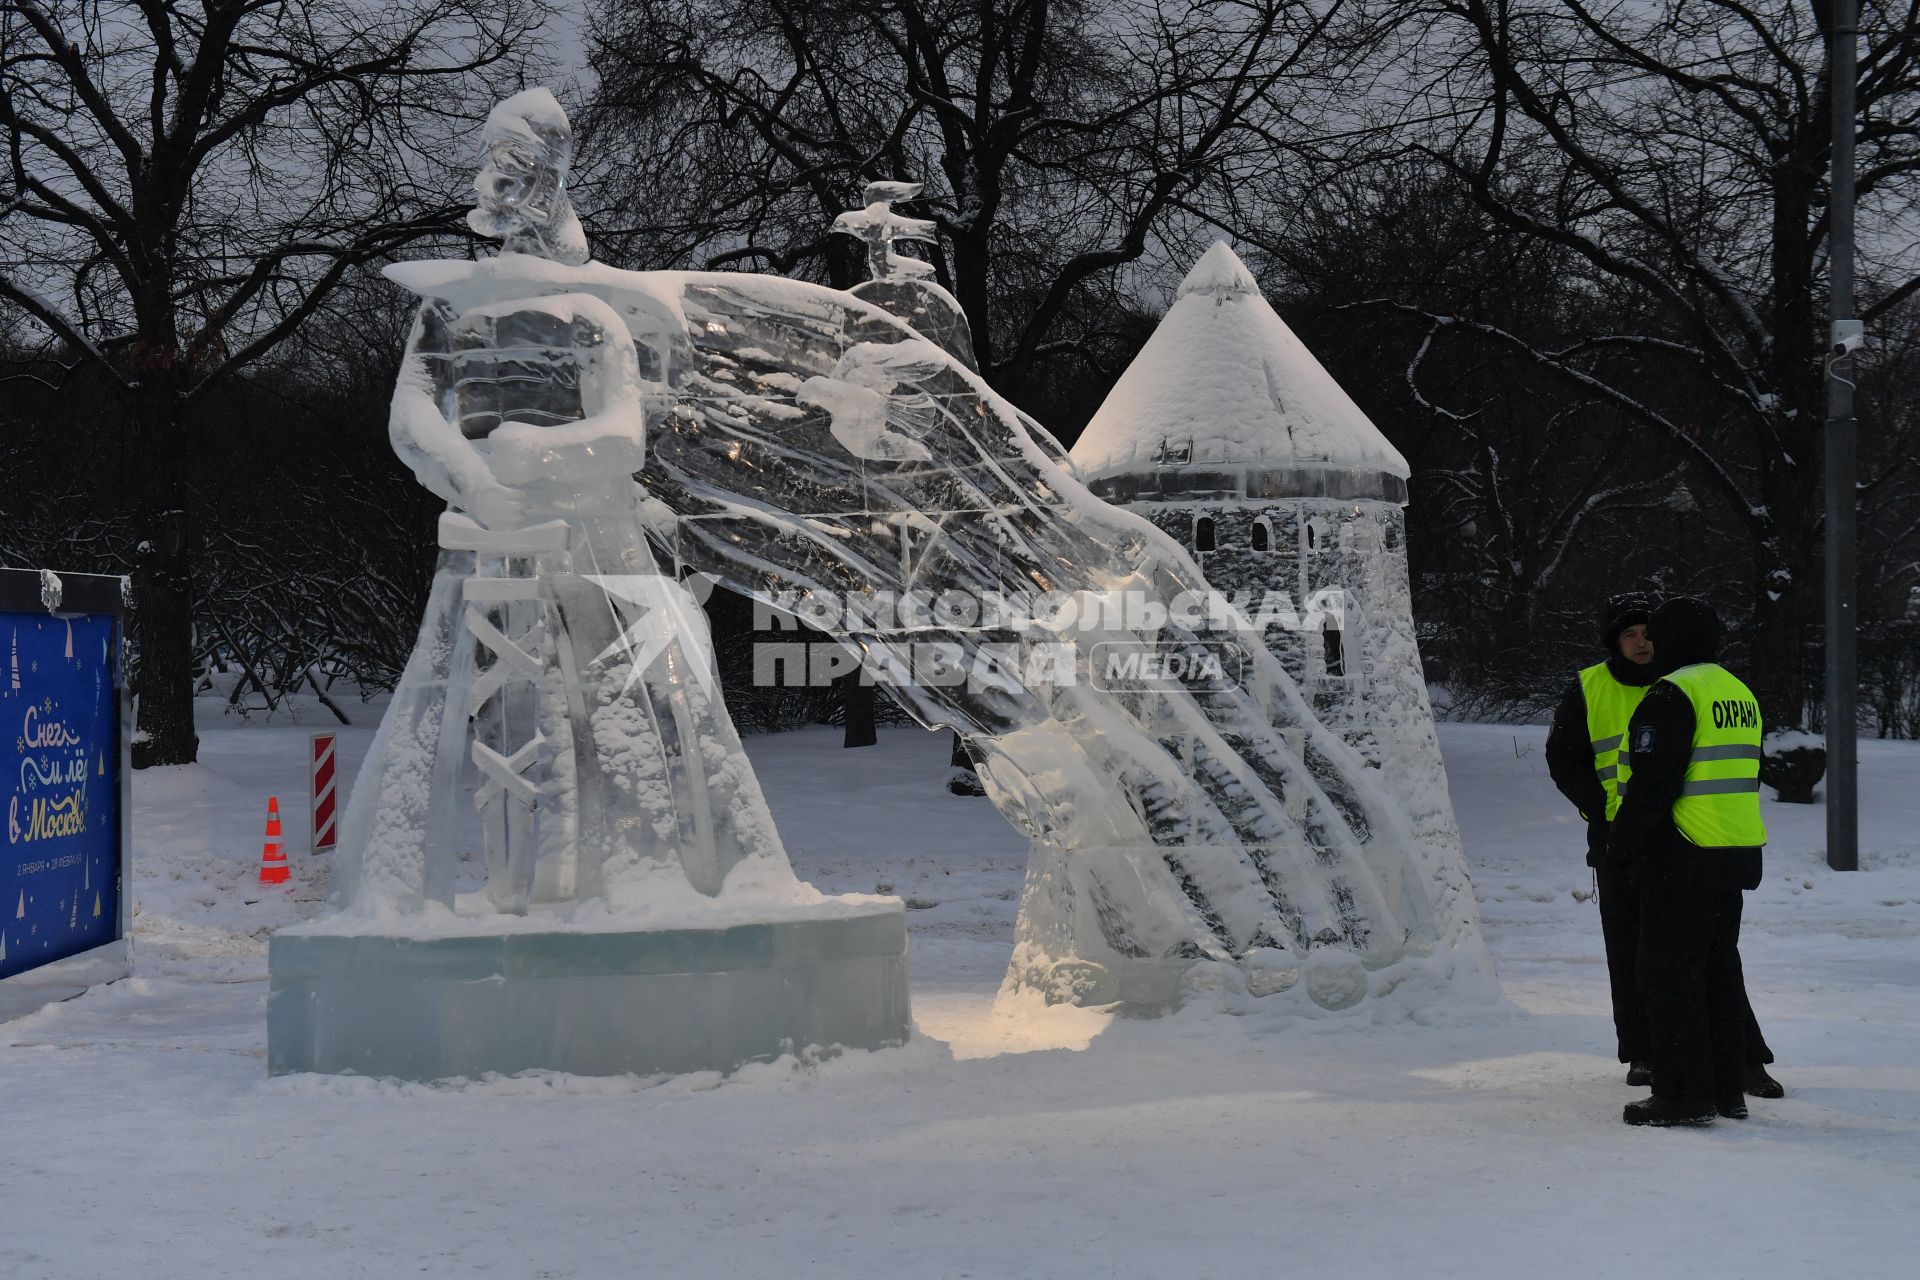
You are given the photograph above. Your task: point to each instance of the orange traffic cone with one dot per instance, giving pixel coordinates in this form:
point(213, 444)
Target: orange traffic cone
point(273, 862)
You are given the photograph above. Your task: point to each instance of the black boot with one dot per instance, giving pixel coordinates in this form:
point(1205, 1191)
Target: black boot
point(1762, 1085)
point(1732, 1106)
point(1639, 1074)
point(1663, 1113)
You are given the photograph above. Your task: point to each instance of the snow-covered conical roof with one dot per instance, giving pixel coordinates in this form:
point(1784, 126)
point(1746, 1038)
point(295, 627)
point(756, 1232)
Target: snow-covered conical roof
point(1225, 388)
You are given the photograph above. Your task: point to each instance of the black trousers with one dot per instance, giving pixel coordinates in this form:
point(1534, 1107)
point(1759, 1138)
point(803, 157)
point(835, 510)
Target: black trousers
point(1758, 1052)
point(1620, 929)
point(1691, 987)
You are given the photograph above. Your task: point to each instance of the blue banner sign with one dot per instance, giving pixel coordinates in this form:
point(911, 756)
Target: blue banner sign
point(59, 787)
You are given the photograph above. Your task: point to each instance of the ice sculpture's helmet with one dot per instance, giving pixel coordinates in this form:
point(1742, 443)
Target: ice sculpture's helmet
point(522, 183)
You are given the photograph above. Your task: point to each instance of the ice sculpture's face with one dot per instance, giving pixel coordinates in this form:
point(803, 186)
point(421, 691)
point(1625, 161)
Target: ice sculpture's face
point(521, 178)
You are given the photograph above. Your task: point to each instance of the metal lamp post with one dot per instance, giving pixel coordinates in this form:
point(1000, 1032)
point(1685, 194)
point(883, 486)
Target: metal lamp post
point(1843, 851)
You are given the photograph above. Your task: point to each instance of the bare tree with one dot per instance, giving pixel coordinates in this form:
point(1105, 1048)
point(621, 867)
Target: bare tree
point(1532, 498)
point(1678, 152)
point(186, 183)
point(1060, 142)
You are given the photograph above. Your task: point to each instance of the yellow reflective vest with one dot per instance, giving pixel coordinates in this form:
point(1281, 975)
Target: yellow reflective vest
point(1719, 804)
point(1610, 707)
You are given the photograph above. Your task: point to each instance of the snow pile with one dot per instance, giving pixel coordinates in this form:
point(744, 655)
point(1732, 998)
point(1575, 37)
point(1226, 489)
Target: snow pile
point(1032, 1143)
point(1783, 740)
point(1224, 380)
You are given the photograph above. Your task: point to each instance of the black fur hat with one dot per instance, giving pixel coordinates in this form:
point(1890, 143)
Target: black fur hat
point(1684, 630)
point(1628, 609)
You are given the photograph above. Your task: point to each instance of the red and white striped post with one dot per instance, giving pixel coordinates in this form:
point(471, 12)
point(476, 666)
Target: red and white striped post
point(324, 808)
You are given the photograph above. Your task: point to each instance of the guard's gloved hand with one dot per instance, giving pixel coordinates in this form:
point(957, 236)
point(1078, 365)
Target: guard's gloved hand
point(1598, 830)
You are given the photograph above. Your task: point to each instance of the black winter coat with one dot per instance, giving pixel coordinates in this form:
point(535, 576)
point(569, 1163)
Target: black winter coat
point(1660, 742)
point(1570, 754)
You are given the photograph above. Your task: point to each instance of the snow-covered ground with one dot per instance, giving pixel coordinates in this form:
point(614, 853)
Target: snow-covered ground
point(139, 1134)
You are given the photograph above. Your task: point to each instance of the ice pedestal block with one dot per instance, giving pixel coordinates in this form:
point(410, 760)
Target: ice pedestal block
point(642, 1002)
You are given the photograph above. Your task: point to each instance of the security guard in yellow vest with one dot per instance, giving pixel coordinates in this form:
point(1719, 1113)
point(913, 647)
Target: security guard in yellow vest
point(1690, 833)
point(1586, 754)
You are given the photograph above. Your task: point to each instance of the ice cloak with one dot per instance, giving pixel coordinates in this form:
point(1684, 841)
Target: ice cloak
point(1186, 832)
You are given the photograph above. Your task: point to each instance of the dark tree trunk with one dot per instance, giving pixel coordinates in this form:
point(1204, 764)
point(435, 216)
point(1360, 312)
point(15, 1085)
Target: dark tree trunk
point(859, 698)
point(1786, 589)
point(163, 589)
point(1787, 603)
point(972, 289)
point(1778, 641)
point(962, 778)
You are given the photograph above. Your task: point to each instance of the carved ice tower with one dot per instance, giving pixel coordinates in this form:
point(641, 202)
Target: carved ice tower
point(1229, 435)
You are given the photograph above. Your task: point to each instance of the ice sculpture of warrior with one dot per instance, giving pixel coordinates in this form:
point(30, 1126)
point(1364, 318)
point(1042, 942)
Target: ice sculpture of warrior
point(635, 910)
point(1193, 824)
point(1230, 437)
point(597, 735)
